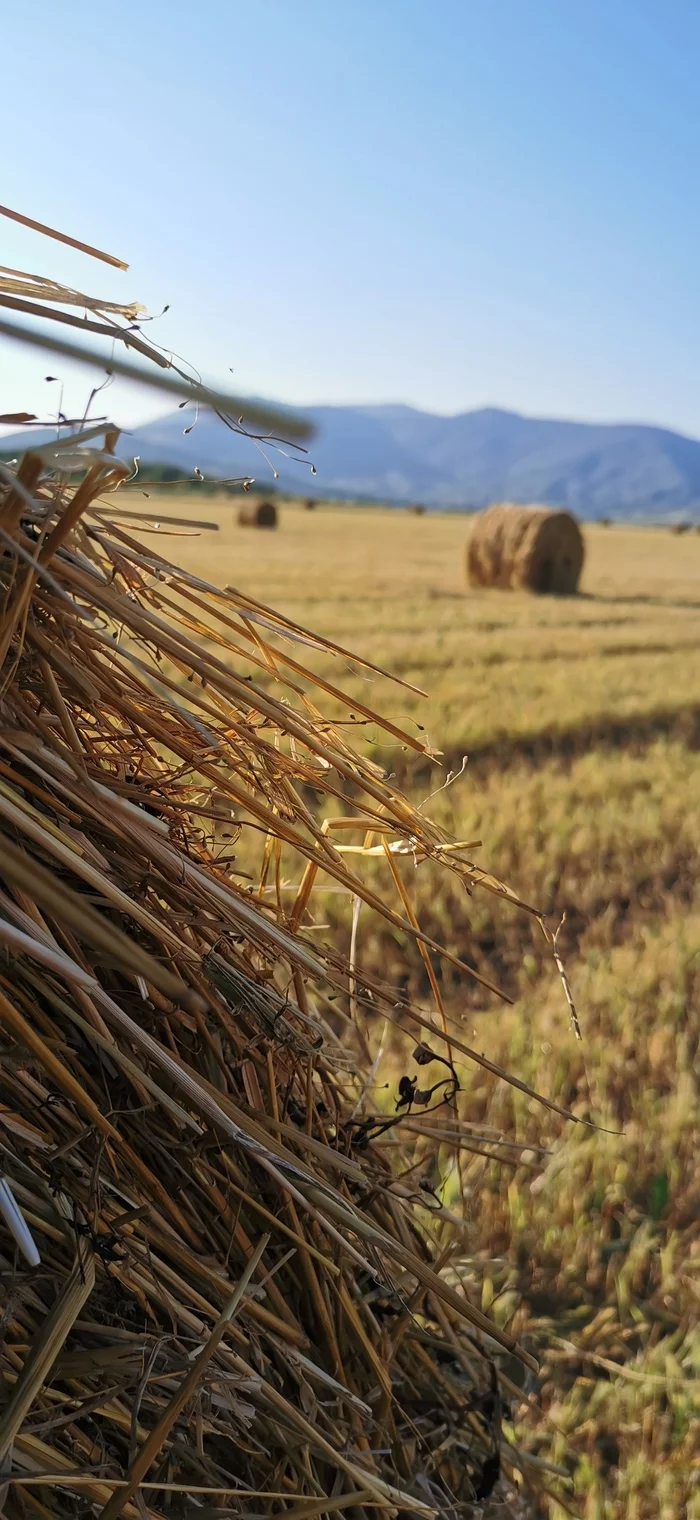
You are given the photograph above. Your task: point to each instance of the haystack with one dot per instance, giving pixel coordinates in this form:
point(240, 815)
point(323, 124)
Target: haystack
point(525, 548)
point(216, 1292)
point(260, 514)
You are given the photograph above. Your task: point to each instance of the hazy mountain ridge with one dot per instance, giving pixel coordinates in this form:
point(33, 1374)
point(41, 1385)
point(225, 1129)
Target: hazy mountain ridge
point(397, 453)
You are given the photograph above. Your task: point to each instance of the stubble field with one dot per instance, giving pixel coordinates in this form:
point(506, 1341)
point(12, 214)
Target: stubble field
point(580, 719)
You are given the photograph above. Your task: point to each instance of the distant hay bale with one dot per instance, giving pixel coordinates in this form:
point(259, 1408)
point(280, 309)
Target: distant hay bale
point(681, 527)
point(525, 548)
point(260, 514)
point(418, 509)
point(310, 505)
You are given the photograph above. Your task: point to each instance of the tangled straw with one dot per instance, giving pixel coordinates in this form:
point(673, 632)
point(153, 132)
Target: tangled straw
point(235, 1295)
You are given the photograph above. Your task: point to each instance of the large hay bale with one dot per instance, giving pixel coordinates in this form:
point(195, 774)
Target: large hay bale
point(526, 548)
point(257, 514)
point(202, 1242)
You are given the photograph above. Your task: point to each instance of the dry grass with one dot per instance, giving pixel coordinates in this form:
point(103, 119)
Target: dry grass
point(582, 720)
point(394, 586)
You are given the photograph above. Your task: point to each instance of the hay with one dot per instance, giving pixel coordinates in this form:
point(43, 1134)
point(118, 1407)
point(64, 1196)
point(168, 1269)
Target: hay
point(234, 1297)
point(261, 514)
point(527, 548)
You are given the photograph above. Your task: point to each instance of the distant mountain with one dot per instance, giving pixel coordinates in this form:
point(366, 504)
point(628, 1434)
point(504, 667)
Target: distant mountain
point(398, 454)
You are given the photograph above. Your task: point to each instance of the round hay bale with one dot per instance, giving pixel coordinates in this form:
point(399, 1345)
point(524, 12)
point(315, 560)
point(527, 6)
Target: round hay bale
point(527, 548)
point(418, 509)
point(260, 514)
point(310, 505)
point(681, 527)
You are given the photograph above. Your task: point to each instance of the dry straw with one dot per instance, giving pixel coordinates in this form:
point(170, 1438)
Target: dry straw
point(235, 1294)
point(525, 548)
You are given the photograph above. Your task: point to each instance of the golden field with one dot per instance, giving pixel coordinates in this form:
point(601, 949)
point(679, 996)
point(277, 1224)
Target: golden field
point(580, 718)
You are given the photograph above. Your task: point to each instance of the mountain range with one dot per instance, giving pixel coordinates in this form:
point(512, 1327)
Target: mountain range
point(398, 454)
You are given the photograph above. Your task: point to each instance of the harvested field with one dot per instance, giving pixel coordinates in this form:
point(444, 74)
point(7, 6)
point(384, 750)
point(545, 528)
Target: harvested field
point(581, 718)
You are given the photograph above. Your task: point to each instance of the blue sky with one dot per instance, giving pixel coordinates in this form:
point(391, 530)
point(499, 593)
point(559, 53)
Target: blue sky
point(464, 203)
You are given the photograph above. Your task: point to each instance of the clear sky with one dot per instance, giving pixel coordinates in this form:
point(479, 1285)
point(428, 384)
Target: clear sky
point(451, 203)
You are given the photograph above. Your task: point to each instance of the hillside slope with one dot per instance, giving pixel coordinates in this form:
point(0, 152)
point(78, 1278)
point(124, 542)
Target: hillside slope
point(396, 453)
